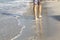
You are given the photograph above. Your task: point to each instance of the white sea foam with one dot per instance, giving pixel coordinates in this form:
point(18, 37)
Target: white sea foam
point(20, 33)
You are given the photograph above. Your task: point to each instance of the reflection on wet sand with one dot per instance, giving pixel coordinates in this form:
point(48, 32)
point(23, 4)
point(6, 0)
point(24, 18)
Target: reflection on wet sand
point(39, 29)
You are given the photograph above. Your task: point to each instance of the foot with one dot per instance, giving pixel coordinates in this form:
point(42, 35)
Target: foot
point(40, 16)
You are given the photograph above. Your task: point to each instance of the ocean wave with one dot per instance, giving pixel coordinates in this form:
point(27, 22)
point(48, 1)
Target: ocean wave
point(16, 6)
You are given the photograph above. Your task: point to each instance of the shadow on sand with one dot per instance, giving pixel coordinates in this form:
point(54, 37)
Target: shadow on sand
point(56, 17)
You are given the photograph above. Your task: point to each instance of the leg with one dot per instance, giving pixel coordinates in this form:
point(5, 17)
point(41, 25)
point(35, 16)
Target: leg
point(35, 11)
point(40, 10)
